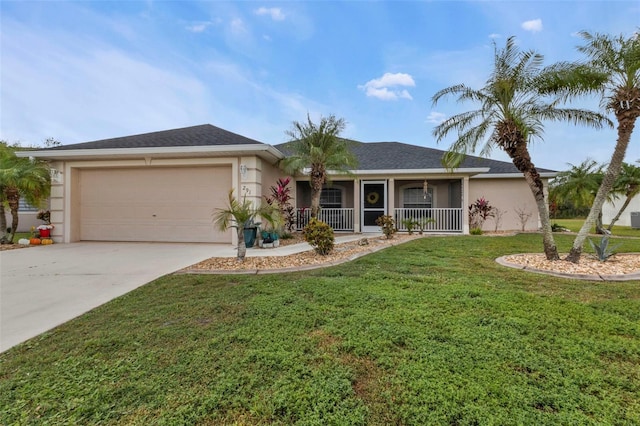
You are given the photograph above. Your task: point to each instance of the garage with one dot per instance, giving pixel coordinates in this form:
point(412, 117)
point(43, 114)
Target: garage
point(164, 204)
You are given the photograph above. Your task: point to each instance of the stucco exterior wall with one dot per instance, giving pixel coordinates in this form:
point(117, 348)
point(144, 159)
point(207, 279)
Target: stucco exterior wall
point(508, 195)
point(25, 220)
point(610, 209)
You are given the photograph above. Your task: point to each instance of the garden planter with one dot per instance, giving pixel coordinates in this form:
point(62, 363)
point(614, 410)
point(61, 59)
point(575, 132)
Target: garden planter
point(250, 237)
point(45, 233)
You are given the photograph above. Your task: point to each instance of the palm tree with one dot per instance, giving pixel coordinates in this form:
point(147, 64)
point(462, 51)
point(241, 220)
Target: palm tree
point(510, 115)
point(627, 184)
point(613, 69)
point(579, 186)
point(319, 147)
point(238, 213)
point(20, 177)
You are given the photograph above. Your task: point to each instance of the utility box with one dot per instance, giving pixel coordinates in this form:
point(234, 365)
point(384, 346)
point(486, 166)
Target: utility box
point(635, 220)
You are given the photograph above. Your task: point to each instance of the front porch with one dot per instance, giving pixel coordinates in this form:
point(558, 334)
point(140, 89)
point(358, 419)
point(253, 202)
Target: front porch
point(354, 206)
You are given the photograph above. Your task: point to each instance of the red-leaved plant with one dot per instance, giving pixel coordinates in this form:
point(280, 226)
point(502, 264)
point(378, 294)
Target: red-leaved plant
point(281, 197)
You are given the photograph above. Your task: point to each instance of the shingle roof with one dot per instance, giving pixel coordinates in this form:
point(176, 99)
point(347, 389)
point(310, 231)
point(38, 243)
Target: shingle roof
point(401, 156)
point(202, 135)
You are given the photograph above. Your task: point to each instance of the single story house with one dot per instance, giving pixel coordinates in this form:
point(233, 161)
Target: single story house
point(165, 186)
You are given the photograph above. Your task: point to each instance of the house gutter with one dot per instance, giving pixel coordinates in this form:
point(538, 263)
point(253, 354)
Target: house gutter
point(513, 175)
point(171, 151)
point(421, 172)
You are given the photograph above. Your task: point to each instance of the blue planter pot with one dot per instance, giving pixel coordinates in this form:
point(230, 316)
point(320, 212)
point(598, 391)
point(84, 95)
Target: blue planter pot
point(249, 237)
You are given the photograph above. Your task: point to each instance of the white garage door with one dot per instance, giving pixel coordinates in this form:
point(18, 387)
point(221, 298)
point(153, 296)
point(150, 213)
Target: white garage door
point(159, 204)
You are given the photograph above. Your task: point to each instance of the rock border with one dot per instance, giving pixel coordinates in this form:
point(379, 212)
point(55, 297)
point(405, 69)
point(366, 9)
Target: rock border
point(291, 269)
point(584, 277)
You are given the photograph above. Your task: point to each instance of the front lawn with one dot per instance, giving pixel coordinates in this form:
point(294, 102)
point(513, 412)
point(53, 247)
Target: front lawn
point(429, 332)
point(574, 225)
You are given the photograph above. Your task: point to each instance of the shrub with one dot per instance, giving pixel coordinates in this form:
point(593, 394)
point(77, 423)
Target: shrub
point(281, 198)
point(475, 231)
point(479, 212)
point(602, 250)
point(387, 224)
point(558, 228)
point(410, 224)
point(319, 235)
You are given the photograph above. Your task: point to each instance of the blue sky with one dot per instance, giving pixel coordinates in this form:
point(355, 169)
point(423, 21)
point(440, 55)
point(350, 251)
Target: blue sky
point(81, 71)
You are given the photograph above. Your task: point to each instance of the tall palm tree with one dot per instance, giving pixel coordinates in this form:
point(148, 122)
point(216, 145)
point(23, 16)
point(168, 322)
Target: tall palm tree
point(319, 147)
point(510, 115)
point(627, 184)
point(20, 177)
point(613, 69)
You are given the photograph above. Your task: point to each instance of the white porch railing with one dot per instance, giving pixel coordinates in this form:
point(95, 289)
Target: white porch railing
point(433, 220)
point(338, 219)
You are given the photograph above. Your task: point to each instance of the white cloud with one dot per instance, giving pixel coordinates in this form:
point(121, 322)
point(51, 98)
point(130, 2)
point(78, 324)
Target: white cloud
point(274, 12)
point(198, 27)
point(494, 36)
point(533, 25)
point(435, 117)
point(385, 87)
point(238, 27)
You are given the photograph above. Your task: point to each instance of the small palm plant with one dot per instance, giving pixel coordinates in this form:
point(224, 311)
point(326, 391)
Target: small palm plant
point(240, 212)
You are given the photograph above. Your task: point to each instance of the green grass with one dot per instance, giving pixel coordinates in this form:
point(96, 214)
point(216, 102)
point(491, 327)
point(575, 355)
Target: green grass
point(574, 225)
point(428, 332)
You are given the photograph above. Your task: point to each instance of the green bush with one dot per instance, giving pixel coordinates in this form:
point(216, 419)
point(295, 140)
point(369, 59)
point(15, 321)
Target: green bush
point(475, 231)
point(387, 224)
point(319, 235)
point(411, 224)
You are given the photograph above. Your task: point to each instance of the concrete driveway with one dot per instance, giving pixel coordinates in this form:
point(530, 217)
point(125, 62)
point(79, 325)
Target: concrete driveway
point(42, 287)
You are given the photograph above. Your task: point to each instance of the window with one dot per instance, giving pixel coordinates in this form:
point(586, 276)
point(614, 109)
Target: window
point(26, 207)
point(413, 198)
point(331, 198)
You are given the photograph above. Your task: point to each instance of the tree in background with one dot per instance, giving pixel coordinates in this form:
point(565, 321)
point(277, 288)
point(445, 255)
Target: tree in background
point(578, 186)
point(318, 147)
point(511, 110)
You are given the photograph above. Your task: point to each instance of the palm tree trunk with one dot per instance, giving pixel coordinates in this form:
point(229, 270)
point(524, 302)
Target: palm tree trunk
point(242, 248)
point(317, 182)
point(3, 224)
point(522, 160)
point(626, 123)
point(13, 199)
point(622, 208)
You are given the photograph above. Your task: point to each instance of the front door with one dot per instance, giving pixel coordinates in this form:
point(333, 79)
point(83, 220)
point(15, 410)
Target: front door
point(374, 204)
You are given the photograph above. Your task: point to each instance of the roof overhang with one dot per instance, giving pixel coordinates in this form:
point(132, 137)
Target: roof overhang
point(410, 173)
point(513, 175)
point(264, 151)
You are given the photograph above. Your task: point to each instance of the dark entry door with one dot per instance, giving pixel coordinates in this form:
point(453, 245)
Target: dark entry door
point(374, 204)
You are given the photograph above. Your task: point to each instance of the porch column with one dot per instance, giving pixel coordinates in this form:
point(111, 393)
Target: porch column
point(465, 203)
point(356, 205)
point(391, 203)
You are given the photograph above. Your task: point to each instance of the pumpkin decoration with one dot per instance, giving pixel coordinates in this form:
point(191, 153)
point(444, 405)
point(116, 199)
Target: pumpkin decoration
point(46, 241)
point(23, 241)
point(34, 241)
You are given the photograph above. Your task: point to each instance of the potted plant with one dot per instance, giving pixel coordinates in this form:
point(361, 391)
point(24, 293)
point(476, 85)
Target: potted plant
point(250, 233)
point(45, 230)
point(270, 238)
